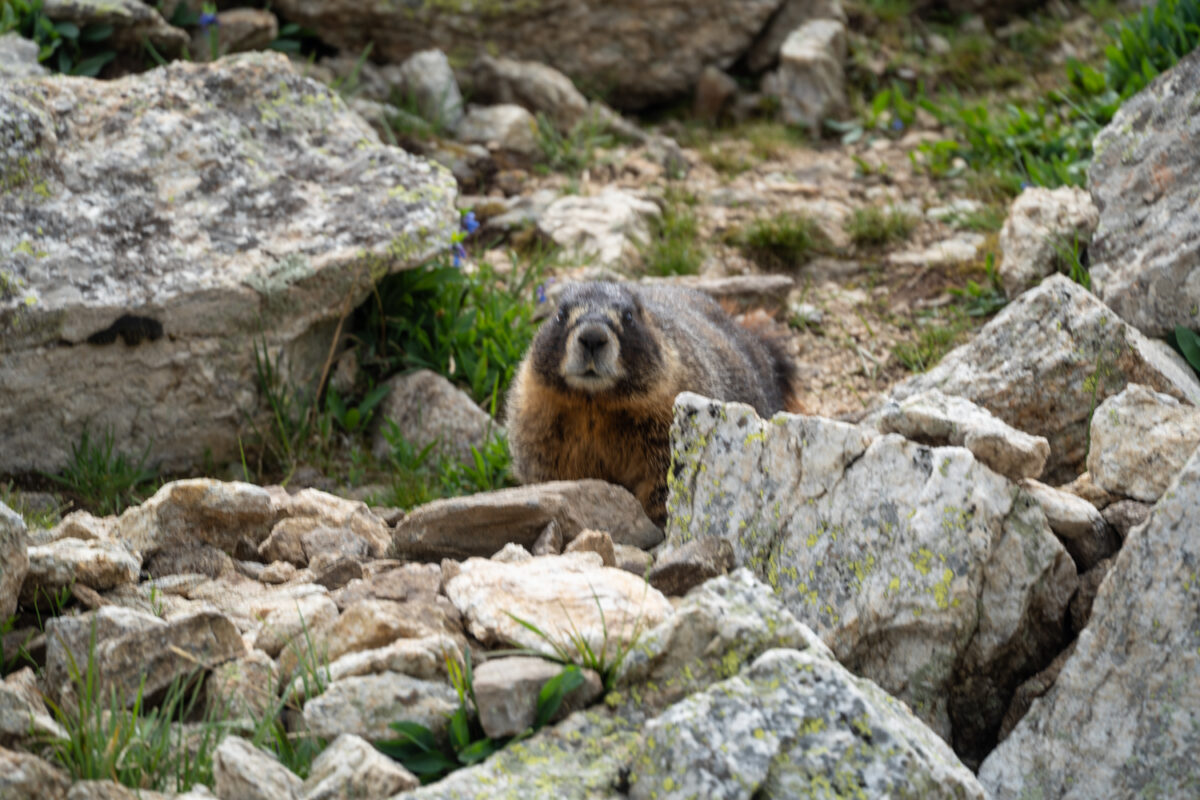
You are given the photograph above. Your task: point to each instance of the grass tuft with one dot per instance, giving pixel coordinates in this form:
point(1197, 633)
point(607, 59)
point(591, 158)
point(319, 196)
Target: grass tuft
point(782, 242)
point(875, 227)
point(102, 479)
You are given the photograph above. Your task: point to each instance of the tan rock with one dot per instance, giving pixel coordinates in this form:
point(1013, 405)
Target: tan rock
point(366, 705)
point(351, 769)
point(100, 564)
point(594, 541)
point(241, 771)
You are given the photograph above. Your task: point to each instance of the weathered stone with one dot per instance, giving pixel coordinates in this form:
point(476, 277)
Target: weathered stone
point(426, 408)
point(351, 769)
point(23, 775)
point(14, 559)
point(604, 226)
point(506, 128)
point(132, 20)
point(740, 291)
point(406, 582)
point(23, 716)
point(107, 790)
point(593, 541)
point(764, 54)
point(1076, 523)
point(937, 419)
point(550, 541)
point(810, 82)
point(1044, 227)
point(243, 772)
point(423, 657)
point(1140, 439)
point(714, 91)
point(507, 689)
point(366, 705)
point(426, 78)
point(1085, 596)
point(242, 688)
point(481, 524)
point(512, 553)
point(632, 559)
point(333, 571)
point(236, 31)
point(791, 722)
point(678, 570)
point(1123, 718)
point(922, 569)
point(1084, 487)
point(536, 87)
point(1044, 361)
point(1145, 260)
point(284, 621)
point(69, 639)
point(99, 564)
point(568, 598)
point(19, 58)
point(1124, 515)
point(156, 227)
point(196, 510)
point(639, 52)
point(190, 559)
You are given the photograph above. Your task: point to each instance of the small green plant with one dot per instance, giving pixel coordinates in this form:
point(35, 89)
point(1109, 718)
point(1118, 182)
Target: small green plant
point(10, 662)
point(674, 247)
point(420, 475)
point(1187, 343)
point(1072, 260)
point(101, 479)
point(876, 227)
point(292, 412)
point(784, 241)
point(63, 46)
point(35, 517)
point(935, 337)
point(982, 299)
point(1151, 43)
point(354, 419)
point(574, 151)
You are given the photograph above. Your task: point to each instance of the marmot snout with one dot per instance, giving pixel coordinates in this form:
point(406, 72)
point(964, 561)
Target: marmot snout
point(594, 397)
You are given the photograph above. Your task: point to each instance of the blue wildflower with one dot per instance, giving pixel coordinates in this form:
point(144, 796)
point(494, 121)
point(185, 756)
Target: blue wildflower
point(541, 293)
point(897, 124)
point(460, 254)
point(208, 18)
point(469, 223)
point(1025, 185)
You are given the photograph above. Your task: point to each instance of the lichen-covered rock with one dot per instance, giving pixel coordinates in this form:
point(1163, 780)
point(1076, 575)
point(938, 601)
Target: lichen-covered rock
point(365, 706)
point(1044, 361)
point(427, 409)
point(241, 771)
point(922, 569)
point(810, 82)
point(351, 769)
point(1145, 262)
point(14, 559)
point(155, 227)
point(19, 58)
point(1140, 439)
point(639, 51)
point(99, 564)
point(1123, 718)
point(605, 226)
point(132, 22)
point(795, 724)
point(1044, 227)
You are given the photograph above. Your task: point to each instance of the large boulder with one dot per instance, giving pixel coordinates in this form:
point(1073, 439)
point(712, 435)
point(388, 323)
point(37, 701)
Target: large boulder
point(155, 228)
point(1143, 177)
point(637, 51)
point(1123, 718)
point(918, 566)
point(1049, 358)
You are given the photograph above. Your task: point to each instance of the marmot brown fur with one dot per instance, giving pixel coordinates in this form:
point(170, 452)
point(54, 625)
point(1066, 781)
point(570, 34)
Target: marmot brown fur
point(594, 395)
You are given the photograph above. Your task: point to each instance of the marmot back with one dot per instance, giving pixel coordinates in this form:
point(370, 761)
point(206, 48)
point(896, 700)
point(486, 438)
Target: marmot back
point(594, 397)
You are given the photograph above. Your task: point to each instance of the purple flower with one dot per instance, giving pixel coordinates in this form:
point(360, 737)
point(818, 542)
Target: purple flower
point(1025, 185)
point(541, 293)
point(469, 223)
point(897, 124)
point(208, 18)
point(460, 254)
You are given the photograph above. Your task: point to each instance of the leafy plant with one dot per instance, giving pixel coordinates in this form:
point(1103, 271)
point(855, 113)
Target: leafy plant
point(875, 227)
point(1151, 43)
point(292, 411)
point(101, 479)
point(784, 241)
point(62, 46)
point(420, 475)
point(675, 247)
point(1187, 343)
point(354, 418)
point(34, 516)
point(935, 337)
point(10, 661)
point(982, 299)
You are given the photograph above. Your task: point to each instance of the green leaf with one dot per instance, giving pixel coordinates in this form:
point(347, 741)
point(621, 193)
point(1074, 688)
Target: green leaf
point(460, 733)
point(1187, 342)
point(67, 30)
point(553, 692)
point(285, 45)
point(476, 751)
point(415, 733)
point(90, 67)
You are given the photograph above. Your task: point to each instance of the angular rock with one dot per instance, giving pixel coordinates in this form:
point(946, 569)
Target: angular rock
point(1145, 262)
point(922, 569)
point(333, 570)
point(1123, 718)
point(1049, 357)
point(506, 128)
point(161, 224)
point(242, 688)
point(1124, 515)
point(351, 769)
point(283, 622)
point(423, 657)
point(107, 790)
point(593, 541)
point(1084, 487)
point(513, 553)
point(481, 524)
point(132, 20)
point(426, 408)
point(24, 719)
point(1076, 523)
point(69, 638)
point(568, 598)
point(631, 559)
point(427, 79)
point(1140, 439)
point(81, 525)
point(193, 559)
point(791, 722)
point(507, 689)
point(366, 705)
point(14, 559)
point(677, 571)
point(98, 564)
point(1042, 230)
point(237, 30)
point(936, 419)
point(198, 510)
point(743, 291)
point(534, 86)
point(243, 772)
point(764, 54)
point(19, 58)
point(550, 541)
point(604, 226)
point(23, 775)
point(810, 82)
point(638, 52)
point(407, 582)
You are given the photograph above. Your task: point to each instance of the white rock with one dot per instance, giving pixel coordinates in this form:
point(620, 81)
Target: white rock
point(19, 58)
point(351, 769)
point(428, 79)
point(365, 706)
point(285, 618)
point(504, 127)
point(603, 226)
point(99, 564)
point(1041, 231)
point(243, 772)
point(810, 82)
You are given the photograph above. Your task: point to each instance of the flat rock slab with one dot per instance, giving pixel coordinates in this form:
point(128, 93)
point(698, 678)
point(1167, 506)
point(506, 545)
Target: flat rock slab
point(1046, 360)
point(481, 524)
point(154, 227)
point(1123, 718)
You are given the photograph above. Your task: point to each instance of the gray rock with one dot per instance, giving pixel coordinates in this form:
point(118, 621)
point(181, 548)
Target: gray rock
point(743, 291)
point(14, 559)
point(351, 769)
point(198, 510)
point(99, 564)
point(481, 524)
point(593, 541)
point(632, 559)
point(637, 51)
point(237, 31)
point(427, 78)
point(243, 688)
point(604, 226)
point(937, 419)
point(533, 86)
point(1032, 689)
point(550, 541)
point(24, 775)
point(24, 719)
point(810, 82)
point(1145, 262)
point(764, 53)
point(1076, 523)
point(159, 225)
point(19, 58)
point(70, 638)
point(106, 790)
point(1044, 361)
point(678, 570)
point(1041, 231)
point(365, 706)
point(1140, 439)
point(426, 408)
point(507, 691)
point(506, 128)
point(1123, 718)
point(133, 21)
point(1124, 515)
point(1085, 596)
point(292, 618)
point(795, 723)
point(241, 771)
point(922, 569)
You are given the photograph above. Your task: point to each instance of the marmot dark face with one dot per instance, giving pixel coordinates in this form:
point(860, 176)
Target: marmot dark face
point(597, 342)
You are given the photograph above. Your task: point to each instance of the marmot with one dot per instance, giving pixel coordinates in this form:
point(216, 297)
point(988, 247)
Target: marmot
point(594, 396)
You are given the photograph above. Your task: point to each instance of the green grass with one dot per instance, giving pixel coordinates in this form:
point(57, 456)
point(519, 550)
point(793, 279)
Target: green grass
point(34, 517)
point(103, 479)
point(782, 242)
point(876, 227)
point(674, 247)
point(421, 475)
point(937, 334)
point(576, 150)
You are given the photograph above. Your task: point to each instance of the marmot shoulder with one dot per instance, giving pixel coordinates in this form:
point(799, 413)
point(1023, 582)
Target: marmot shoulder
point(594, 396)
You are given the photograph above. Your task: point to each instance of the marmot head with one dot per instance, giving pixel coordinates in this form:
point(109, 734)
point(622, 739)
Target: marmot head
point(597, 342)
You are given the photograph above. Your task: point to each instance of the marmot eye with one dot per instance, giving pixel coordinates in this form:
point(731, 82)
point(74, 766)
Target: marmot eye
point(561, 316)
point(628, 316)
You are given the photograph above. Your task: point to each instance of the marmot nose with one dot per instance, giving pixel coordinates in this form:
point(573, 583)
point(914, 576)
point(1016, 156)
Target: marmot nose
point(593, 340)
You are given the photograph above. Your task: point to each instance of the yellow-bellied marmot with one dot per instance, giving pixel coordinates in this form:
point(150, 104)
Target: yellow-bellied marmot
point(594, 396)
